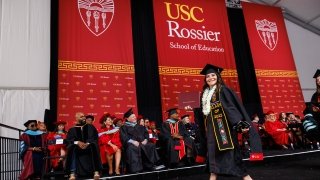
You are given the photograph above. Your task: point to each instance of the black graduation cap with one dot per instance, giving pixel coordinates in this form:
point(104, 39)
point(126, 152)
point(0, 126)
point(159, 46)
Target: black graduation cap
point(172, 111)
point(128, 113)
point(26, 124)
point(317, 73)
point(209, 68)
point(186, 115)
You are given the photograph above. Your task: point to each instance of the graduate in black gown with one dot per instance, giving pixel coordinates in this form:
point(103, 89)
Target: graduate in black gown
point(315, 99)
point(223, 117)
point(180, 147)
point(83, 156)
point(140, 154)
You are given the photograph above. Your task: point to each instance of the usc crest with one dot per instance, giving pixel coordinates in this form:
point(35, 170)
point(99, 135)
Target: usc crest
point(268, 33)
point(97, 15)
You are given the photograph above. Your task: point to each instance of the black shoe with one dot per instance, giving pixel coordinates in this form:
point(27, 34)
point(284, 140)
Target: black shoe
point(190, 161)
point(181, 164)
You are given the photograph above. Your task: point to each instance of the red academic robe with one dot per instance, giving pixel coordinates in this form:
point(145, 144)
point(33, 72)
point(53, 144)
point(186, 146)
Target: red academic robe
point(27, 159)
point(280, 137)
point(106, 135)
point(55, 149)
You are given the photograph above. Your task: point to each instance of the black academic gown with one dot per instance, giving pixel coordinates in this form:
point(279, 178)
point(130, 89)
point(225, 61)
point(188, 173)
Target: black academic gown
point(87, 160)
point(172, 155)
point(315, 100)
point(138, 158)
point(228, 162)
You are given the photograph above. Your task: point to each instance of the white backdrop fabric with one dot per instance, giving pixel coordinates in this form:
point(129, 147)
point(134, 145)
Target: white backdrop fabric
point(17, 106)
point(24, 62)
point(24, 43)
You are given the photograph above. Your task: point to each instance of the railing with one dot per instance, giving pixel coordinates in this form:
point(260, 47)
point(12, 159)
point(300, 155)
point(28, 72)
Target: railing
point(11, 165)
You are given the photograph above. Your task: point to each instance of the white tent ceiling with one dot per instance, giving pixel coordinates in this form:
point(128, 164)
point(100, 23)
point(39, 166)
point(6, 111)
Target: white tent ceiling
point(305, 13)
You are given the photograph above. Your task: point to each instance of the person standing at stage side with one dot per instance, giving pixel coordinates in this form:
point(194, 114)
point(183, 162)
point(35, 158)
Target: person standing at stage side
point(32, 151)
point(140, 153)
point(82, 149)
point(315, 99)
point(110, 144)
point(223, 117)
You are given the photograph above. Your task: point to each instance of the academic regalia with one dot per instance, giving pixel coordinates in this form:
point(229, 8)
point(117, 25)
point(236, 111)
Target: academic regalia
point(141, 157)
point(176, 148)
point(224, 116)
point(229, 160)
point(315, 100)
point(279, 137)
point(153, 135)
point(107, 135)
point(87, 160)
point(55, 149)
point(32, 160)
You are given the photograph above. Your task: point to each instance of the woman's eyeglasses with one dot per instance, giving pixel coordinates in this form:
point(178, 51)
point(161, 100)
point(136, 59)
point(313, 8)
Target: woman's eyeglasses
point(32, 125)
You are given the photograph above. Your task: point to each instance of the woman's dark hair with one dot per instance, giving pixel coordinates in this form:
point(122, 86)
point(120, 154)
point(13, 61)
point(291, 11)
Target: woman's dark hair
point(280, 116)
point(139, 120)
point(103, 119)
point(219, 82)
point(64, 129)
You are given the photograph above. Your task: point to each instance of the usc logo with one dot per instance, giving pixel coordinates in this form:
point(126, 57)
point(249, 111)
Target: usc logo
point(184, 12)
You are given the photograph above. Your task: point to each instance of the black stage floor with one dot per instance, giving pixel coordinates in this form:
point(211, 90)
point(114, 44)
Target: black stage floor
point(277, 165)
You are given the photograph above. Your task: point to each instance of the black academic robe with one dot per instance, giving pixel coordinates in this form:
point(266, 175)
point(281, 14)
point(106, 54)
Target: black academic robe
point(172, 154)
point(138, 158)
point(87, 160)
point(315, 100)
point(228, 162)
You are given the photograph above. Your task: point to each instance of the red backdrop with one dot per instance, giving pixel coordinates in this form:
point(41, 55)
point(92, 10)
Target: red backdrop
point(273, 60)
point(96, 72)
point(190, 34)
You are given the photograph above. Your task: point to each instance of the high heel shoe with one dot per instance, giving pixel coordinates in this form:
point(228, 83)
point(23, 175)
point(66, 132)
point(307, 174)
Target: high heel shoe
point(72, 176)
point(96, 175)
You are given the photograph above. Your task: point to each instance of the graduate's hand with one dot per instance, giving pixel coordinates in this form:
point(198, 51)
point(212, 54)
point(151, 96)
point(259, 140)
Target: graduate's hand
point(82, 145)
point(114, 147)
point(177, 136)
point(144, 142)
point(37, 149)
point(136, 143)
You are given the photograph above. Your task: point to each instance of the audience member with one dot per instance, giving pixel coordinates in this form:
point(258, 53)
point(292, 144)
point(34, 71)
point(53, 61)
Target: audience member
point(311, 127)
point(140, 120)
point(82, 149)
point(277, 130)
point(140, 153)
point(118, 122)
point(147, 123)
point(315, 99)
point(110, 144)
point(153, 132)
point(32, 150)
point(177, 140)
point(89, 119)
point(56, 145)
point(42, 126)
